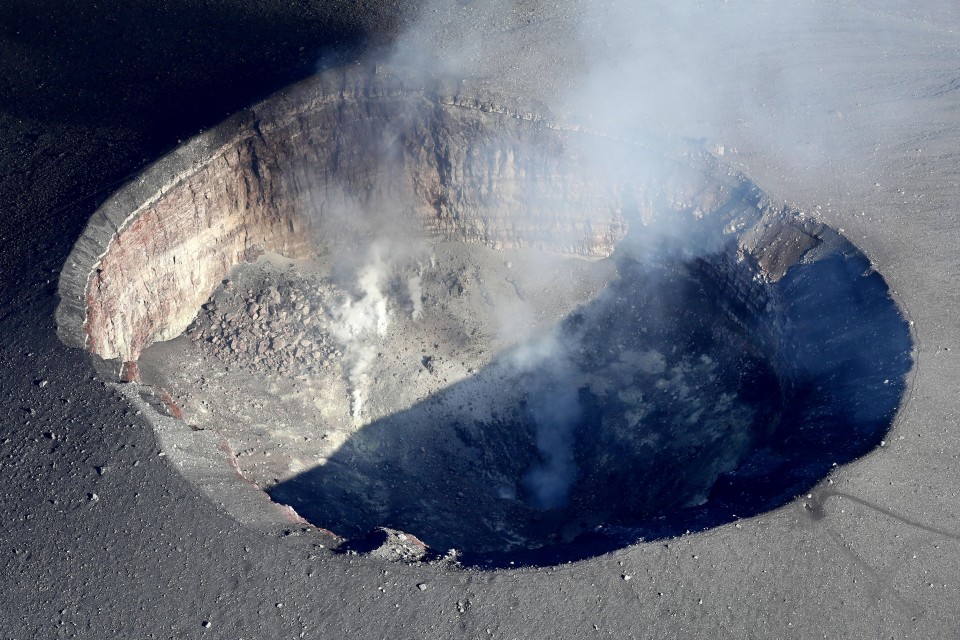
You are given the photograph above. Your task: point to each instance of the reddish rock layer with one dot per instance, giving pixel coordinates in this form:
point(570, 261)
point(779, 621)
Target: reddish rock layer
point(164, 264)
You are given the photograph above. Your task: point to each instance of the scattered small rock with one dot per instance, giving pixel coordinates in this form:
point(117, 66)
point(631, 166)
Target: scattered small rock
point(427, 362)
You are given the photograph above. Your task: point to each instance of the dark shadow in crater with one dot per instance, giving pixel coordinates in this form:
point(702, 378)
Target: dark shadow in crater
point(684, 397)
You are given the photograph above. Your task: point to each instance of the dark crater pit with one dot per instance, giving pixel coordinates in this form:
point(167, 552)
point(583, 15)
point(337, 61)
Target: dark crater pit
point(476, 328)
point(668, 404)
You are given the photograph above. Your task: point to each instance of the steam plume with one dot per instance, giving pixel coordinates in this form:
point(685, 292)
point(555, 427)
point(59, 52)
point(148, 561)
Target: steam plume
point(358, 322)
point(552, 393)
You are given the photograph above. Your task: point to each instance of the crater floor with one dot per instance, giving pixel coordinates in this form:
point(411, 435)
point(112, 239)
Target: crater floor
point(497, 402)
point(288, 359)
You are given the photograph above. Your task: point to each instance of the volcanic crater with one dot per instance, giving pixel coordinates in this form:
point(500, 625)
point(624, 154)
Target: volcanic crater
point(438, 323)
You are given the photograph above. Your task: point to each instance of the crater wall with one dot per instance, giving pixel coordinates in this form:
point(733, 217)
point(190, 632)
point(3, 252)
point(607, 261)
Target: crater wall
point(431, 156)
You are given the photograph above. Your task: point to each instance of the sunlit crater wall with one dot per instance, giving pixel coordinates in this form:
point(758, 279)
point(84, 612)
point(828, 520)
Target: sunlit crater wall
point(435, 157)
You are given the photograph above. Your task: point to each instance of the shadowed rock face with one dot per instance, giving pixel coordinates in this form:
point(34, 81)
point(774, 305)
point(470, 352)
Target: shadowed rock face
point(741, 350)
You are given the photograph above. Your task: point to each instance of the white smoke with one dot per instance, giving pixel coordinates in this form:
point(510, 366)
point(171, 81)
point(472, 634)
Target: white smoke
point(359, 322)
point(552, 383)
point(362, 317)
point(690, 70)
point(555, 405)
point(416, 296)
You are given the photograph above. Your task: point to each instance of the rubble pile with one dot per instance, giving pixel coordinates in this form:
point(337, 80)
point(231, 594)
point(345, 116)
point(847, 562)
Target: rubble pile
point(279, 326)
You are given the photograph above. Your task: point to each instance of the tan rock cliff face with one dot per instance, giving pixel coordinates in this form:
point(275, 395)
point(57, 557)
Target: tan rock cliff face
point(161, 267)
point(334, 149)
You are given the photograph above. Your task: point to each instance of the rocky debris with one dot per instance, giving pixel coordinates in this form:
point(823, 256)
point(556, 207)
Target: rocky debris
point(130, 372)
point(391, 545)
point(428, 362)
point(161, 401)
point(781, 241)
point(279, 324)
point(173, 409)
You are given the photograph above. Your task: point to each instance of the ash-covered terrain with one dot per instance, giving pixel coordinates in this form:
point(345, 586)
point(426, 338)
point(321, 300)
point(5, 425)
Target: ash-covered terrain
point(845, 109)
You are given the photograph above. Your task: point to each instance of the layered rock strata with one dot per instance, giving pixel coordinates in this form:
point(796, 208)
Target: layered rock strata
point(374, 152)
